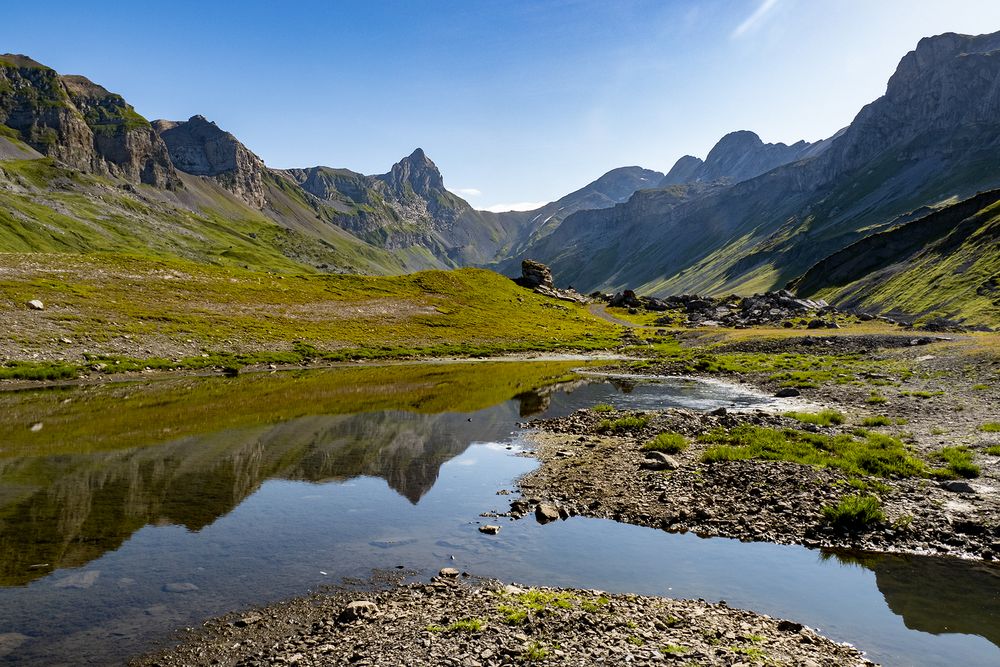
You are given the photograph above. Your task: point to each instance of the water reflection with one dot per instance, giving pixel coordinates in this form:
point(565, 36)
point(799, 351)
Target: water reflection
point(138, 509)
point(68, 508)
point(937, 595)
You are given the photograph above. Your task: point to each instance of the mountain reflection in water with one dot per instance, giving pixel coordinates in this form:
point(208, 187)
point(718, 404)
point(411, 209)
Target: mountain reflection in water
point(67, 508)
point(937, 595)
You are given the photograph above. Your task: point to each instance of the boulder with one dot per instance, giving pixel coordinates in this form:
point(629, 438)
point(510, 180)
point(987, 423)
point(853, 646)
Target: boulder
point(546, 513)
point(35, 304)
point(535, 274)
point(358, 610)
point(659, 461)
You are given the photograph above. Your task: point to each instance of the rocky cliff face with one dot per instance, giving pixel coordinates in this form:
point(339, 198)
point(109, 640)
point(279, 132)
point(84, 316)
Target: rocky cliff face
point(199, 147)
point(77, 122)
point(946, 90)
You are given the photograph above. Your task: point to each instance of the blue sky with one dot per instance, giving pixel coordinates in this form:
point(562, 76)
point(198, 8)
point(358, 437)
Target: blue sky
point(516, 102)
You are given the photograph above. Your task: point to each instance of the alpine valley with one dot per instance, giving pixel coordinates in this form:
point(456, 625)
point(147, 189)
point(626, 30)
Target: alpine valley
point(911, 180)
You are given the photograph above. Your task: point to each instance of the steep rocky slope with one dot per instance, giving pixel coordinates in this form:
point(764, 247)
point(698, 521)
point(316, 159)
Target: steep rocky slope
point(931, 138)
point(946, 263)
point(614, 187)
point(201, 148)
point(78, 122)
point(409, 208)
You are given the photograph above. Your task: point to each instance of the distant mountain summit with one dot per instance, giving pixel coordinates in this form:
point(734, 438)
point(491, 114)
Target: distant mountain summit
point(737, 157)
point(415, 174)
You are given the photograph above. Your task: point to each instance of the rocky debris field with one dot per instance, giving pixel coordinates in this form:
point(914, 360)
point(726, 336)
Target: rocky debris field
point(692, 310)
point(463, 621)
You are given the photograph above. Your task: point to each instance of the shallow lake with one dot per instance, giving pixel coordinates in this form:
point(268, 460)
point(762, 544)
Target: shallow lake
point(131, 510)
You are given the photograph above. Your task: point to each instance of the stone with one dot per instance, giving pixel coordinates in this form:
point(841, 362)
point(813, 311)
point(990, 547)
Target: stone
point(248, 619)
point(180, 587)
point(659, 461)
point(358, 610)
point(957, 486)
point(789, 626)
point(35, 304)
point(448, 572)
point(546, 513)
point(489, 529)
point(535, 274)
point(787, 392)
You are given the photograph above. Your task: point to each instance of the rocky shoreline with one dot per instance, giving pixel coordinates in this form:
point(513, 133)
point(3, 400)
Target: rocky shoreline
point(593, 473)
point(463, 621)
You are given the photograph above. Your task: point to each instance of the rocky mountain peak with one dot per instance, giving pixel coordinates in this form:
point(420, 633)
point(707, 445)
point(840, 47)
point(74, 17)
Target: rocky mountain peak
point(74, 120)
point(200, 147)
point(738, 156)
point(416, 171)
point(948, 83)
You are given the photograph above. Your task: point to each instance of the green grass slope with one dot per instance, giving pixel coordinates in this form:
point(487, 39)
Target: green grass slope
point(107, 310)
point(47, 207)
point(944, 264)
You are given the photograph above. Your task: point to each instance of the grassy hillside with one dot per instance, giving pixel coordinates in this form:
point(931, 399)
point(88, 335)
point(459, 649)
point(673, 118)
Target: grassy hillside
point(46, 207)
point(104, 310)
point(944, 264)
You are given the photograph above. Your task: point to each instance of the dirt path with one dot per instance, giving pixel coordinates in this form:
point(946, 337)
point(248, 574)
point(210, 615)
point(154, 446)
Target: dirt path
point(600, 311)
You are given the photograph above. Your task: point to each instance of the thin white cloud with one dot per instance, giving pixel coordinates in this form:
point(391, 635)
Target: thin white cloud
point(467, 192)
point(754, 19)
point(518, 206)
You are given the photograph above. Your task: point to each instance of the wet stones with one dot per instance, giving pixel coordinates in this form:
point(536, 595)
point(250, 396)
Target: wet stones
point(546, 513)
point(359, 610)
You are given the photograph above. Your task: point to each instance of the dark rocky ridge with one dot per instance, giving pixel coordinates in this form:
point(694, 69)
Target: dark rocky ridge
point(737, 157)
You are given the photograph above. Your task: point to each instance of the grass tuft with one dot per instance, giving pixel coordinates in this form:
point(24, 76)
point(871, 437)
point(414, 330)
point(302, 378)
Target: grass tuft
point(821, 418)
point(670, 443)
point(959, 463)
point(855, 512)
point(876, 454)
point(623, 424)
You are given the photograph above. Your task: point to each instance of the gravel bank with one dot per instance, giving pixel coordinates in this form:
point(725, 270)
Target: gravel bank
point(463, 621)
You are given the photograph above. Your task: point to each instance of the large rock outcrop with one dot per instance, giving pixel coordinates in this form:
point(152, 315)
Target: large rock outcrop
point(75, 121)
point(199, 147)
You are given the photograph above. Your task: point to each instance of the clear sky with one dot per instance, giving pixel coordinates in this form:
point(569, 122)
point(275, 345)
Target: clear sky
point(516, 102)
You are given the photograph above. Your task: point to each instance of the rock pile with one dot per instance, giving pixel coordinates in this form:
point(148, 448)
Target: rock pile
point(735, 311)
point(464, 621)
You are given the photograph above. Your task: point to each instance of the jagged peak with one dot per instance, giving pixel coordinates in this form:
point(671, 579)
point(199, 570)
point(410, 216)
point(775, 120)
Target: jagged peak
point(416, 170)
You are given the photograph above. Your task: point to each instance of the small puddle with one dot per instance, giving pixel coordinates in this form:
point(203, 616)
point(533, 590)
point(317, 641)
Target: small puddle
point(136, 511)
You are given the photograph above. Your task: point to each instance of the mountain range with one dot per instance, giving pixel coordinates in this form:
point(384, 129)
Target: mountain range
point(82, 171)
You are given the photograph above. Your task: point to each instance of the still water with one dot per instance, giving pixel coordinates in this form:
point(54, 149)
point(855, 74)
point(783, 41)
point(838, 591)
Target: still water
point(131, 510)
